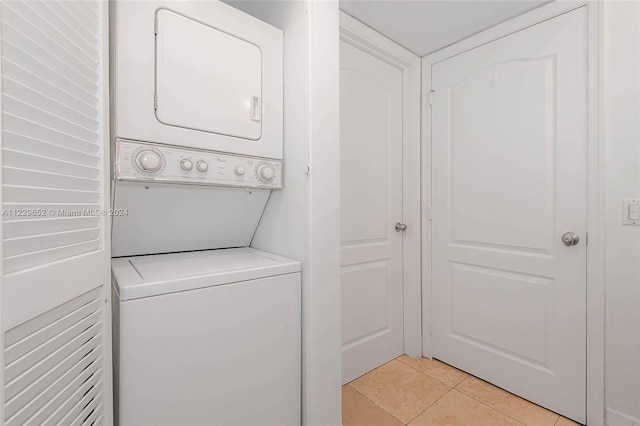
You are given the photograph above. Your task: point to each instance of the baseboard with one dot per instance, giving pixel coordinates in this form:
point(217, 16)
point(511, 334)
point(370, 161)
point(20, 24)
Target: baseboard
point(616, 418)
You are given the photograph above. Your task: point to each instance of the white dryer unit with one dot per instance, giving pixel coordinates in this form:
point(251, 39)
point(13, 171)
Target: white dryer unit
point(207, 338)
point(197, 74)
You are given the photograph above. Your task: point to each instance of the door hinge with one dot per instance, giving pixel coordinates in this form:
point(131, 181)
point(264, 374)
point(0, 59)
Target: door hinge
point(430, 328)
point(427, 98)
point(307, 169)
point(155, 101)
point(430, 213)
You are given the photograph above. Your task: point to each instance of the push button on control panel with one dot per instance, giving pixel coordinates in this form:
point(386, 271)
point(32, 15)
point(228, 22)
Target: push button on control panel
point(186, 164)
point(202, 166)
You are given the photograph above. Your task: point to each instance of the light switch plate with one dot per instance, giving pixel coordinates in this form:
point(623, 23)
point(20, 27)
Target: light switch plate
point(631, 211)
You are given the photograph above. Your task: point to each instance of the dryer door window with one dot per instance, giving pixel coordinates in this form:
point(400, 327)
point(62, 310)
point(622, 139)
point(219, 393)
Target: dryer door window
point(206, 79)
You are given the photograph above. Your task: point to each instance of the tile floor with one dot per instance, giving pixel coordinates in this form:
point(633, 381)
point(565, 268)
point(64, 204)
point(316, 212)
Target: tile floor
point(424, 393)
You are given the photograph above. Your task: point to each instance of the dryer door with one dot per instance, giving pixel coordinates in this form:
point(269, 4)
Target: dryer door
point(207, 79)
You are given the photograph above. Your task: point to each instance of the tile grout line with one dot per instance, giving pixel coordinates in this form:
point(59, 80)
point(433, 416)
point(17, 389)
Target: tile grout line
point(422, 372)
point(455, 387)
point(499, 411)
point(375, 403)
point(430, 405)
point(437, 380)
point(433, 378)
point(366, 397)
point(488, 406)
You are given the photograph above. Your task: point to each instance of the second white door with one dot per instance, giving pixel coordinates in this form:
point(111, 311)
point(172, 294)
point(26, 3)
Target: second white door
point(371, 204)
point(509, 185)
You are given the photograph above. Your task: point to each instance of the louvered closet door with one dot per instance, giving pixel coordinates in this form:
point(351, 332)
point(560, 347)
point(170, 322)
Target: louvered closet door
point(55, 246)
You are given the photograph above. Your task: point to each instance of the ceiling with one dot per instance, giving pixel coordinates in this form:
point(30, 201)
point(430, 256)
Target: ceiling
point(424, 26)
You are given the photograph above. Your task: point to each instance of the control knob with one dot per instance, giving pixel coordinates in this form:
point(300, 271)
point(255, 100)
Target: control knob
point(149, 160)
point(202, 166)
point(265, 172)
point(186, 164)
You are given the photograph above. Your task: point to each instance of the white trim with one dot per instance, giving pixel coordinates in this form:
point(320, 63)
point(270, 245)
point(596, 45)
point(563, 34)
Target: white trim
point(427, 345)
point(364, 38)
point(504, 29)
point(596, 204)
point(2, 280)
point(107, 355)
point(595, 178)
point(321, 362)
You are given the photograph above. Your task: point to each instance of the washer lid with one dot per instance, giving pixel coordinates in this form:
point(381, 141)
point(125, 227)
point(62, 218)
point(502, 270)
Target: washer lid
point(153, 275)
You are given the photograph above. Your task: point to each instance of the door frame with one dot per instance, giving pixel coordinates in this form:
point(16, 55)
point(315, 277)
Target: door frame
point(595, 183)
point(366, 39)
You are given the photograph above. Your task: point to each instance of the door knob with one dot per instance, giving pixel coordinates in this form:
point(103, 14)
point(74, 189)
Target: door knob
point(400, 227)
point(570, 239)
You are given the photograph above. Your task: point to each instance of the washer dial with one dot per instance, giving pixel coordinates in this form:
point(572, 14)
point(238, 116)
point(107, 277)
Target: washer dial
point(149, 160)
point(265, 172)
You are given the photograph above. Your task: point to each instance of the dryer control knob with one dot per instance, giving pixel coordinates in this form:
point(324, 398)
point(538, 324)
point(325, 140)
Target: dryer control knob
point(265, 172)
point(202, 166)
point(149, 161)
point(186, 164)
point(239, 170)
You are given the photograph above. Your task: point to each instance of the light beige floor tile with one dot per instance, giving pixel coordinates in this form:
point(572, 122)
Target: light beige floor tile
point(360, 411)
point(563, 421)
point(507, 403)
point(456, 409)
point(438, 370)
point(400, 389)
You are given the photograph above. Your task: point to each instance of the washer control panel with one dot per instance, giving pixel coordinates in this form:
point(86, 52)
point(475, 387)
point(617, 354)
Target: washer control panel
point(144, 161)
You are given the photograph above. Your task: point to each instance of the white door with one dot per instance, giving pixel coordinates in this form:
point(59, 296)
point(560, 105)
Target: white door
point(509, 179)
point(371, 204)
point(55, 274)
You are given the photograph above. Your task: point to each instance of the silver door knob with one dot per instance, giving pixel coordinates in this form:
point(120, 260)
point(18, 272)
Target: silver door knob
point(570, 239)
point(400, 227)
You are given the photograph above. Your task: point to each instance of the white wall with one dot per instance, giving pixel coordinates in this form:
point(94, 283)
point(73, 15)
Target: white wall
point(284, 225)
point(321, 296)
point(622, 141)
point(302, 220)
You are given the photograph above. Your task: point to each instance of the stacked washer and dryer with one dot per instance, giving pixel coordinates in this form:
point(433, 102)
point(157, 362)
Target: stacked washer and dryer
point(206, 329)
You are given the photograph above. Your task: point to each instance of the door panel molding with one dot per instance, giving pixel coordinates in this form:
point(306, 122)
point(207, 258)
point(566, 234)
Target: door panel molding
point(595, 183)
point(364, 38)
